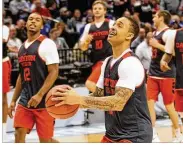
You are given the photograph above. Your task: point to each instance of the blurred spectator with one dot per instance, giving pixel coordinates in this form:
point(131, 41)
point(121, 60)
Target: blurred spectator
point(173, 6)
point(21, 30)
point(142, 34)
point(46, 28)
point(175, 22)
point(89, 12)
point(77, 21)
point(136, 17)
point(137, 5)
point(64, 15)
point(86, 14)
point(64, 34)
point(146, 12)
point(89, 19)
point(19, 9)
point(149, 27)
point(126, 13)
point(52, 6)
point(119, 7)
point(6, 3)
point(14, 43)
point(155, 6)
point(144, 52)
point(39, 8)
point(59, 41)
point(7, 19)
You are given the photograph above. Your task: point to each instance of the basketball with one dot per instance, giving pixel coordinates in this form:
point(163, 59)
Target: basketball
point(61, 112)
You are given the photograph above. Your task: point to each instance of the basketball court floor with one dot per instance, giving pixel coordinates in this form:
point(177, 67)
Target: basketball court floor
point(91, 133)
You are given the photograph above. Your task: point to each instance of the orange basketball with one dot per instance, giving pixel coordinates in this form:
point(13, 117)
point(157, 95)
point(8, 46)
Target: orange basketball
point(60, 112)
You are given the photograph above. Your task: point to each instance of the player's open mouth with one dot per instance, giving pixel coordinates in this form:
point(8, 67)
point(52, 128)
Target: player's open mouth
point(112, 33)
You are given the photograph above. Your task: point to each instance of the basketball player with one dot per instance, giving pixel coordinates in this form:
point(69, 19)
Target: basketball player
point(174, 47)
point(120, 89)
point(96, 34)
point(6, 78)
point(159, 81)
point(38, 60)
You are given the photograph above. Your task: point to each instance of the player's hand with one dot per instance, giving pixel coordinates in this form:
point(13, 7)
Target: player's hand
point(34, 101)
point(89, 38)
point(153, 42)
point(60, 88)
point(70, 97)
point(164, 66)
point(11, 109)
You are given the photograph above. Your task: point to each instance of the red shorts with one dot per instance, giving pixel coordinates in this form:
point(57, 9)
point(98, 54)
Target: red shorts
point(26, 118)
point(179, 100)
point(107, 140)
point(96, 70)
point(165, 86)
point(6, 76)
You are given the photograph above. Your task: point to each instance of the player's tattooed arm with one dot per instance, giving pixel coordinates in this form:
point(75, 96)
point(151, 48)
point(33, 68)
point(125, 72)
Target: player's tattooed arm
point(108, 103)
point(98, 92)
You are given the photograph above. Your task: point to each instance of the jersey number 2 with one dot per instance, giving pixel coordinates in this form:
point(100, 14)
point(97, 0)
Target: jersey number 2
point(98, 44)
point(27, 74)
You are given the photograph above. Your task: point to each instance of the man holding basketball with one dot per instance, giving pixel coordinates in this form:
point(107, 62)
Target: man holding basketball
point(38, 64)
point(96, 34)
point(120, 89)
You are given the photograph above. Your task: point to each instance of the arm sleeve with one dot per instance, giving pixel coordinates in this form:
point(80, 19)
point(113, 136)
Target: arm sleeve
point(100, 83)
point(85, 33)
point(170, 43)
point(48, 52)
point(167, 34)
point(131, 73)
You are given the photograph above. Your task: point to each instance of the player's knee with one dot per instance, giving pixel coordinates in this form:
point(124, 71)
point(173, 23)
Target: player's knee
point(170, 107)
point(16, 135)
point(20, 133)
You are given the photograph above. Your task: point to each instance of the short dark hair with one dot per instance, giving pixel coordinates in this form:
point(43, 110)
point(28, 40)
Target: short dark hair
point(166, 16)
point(134, 27)
point(100, 2)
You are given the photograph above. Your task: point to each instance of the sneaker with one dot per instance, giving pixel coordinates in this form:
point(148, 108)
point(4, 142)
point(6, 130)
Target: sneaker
point(155, 138)
point(178, 139)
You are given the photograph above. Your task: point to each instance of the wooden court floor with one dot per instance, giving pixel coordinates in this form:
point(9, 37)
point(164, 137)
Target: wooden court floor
point(165, 135)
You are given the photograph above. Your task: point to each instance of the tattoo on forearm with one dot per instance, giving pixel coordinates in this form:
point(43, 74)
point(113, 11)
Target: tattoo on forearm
point(115, 102)
point(98, 92)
